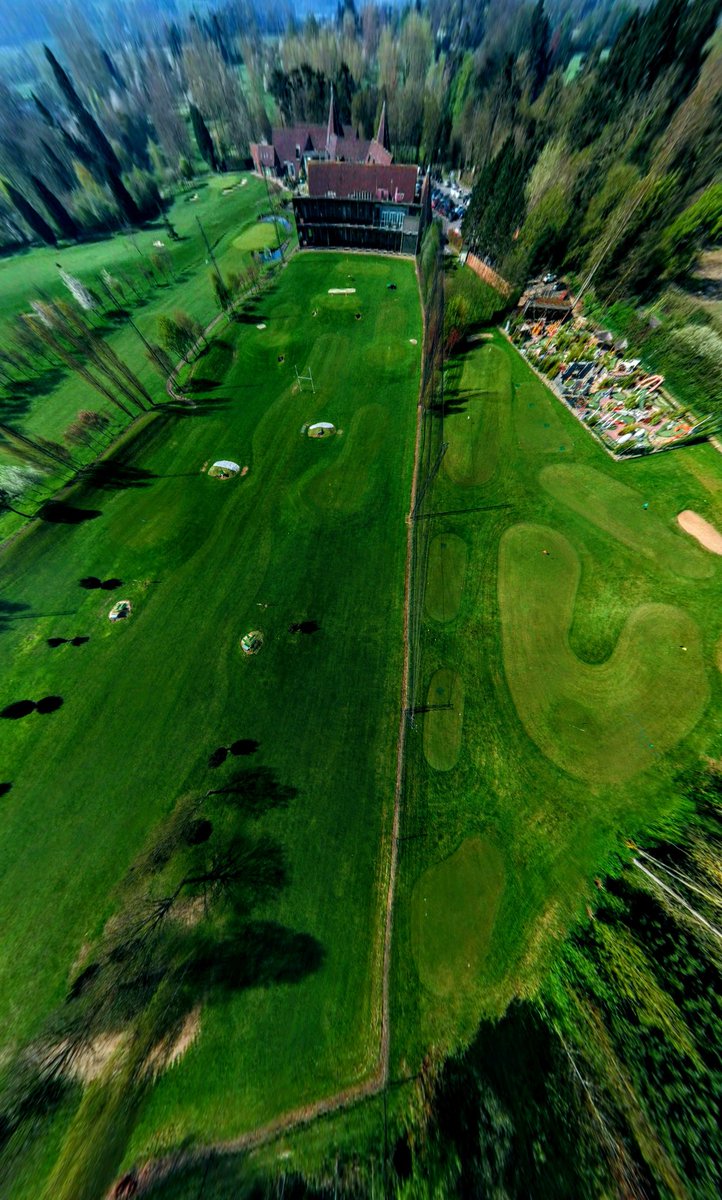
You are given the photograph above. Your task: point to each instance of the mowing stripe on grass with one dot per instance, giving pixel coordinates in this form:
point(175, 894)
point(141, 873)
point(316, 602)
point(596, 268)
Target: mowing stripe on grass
point(445, 576)
point(539, 429)
point(605, 722)
point(474, 431)
point(346, 486)
point(442, 725)
point(619, 510)
point(453, 909)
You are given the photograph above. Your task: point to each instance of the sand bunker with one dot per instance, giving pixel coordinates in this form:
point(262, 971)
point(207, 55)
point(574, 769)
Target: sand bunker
point(698, 528)
point(341, 291)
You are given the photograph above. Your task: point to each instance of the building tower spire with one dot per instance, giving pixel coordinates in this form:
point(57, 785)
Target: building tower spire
point(334, 128)
point(382, 137)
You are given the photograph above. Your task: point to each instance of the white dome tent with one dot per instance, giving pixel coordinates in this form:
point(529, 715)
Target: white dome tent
point(224, 469)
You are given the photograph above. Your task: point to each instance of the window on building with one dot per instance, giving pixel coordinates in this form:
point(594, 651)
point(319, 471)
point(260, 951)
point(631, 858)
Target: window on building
point(391, 218)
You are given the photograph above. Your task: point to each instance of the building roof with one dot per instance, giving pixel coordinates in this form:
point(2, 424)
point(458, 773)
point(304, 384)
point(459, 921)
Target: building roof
point(382, 135)
point(381, 181)
point(334, 128)
point(378, 153)
point(290, 143)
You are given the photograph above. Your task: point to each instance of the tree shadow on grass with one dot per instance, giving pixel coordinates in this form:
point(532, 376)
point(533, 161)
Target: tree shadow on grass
point(23, 708)
point(196, 386)
point(255, 791)
point(244, 746)
point(304, 627)
point(210, 405)
point(12, 610)
point(111, 475)
point(17, 710)
point(57, 512)
point(257, 954)
point(92, 583)
point(183, 937)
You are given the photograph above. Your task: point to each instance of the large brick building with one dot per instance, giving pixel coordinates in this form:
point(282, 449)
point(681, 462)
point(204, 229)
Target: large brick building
point(291, 149)
point(364, 206)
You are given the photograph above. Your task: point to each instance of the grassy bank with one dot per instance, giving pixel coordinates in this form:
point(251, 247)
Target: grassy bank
point(313, 533)
point(573, 630)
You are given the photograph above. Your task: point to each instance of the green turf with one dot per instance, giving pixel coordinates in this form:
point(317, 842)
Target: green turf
point(473, 434)
point(50, 404)
point(446, 576)
point(350, 481)
point(314, 531)
point(608, 721)
point(571, 665)
point(260, 236)
point(443, 726)
point(539, 426)
point(453, 909)
point(619, 509)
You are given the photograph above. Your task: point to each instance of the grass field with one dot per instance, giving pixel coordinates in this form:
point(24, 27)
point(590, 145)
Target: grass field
point(230, 221)
point(589, 680)
point(314, 532)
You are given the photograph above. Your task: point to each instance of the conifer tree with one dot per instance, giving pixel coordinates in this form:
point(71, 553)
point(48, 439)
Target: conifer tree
point(58, 211)
point(37, 223)
point(204, 139)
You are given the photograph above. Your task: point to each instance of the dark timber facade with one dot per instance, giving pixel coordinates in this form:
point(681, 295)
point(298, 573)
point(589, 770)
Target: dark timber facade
point(359, 212)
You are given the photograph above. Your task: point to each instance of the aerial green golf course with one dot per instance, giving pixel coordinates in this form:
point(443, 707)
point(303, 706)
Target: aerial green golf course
point(311, 535)
point(569, 672)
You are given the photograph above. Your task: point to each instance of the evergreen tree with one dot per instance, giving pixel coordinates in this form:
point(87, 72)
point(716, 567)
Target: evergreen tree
point(97, 152)
point(57, 210)
point(37, 223)
point(539, 50)
point(63, 173)
point(93, 133)
point(204, 139)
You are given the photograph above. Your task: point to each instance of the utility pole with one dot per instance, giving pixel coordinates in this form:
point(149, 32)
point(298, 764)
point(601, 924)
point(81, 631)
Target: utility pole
point(149, 347)
point(211, 255)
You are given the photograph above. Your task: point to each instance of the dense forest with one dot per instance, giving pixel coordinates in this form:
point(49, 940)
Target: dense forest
point(589, 131)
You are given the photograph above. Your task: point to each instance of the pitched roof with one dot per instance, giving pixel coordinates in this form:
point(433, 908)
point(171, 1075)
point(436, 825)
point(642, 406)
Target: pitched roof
point(333, 125)
point(347, 179)
point(306, 137)
point(263, 155)
point(382, 136)
point(378, 153)
point(348, 149)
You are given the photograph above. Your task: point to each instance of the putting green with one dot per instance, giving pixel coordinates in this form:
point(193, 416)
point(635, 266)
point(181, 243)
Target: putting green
point(619, 510)
point(539, 428)
point(602, 723)
point(473, 434)
point(443, 726)
point(453, 909)
point(346, 485)
point(260, 236)
point(445, 575)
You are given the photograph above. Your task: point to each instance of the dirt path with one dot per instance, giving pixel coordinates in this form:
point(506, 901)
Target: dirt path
point(156, 1170)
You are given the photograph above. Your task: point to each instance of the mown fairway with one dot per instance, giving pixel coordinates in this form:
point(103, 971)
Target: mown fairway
point(48, 405)
point(314, 532)
point(574, 634)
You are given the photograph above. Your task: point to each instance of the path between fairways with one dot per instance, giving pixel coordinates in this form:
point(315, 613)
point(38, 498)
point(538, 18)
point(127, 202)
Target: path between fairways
point(156, 1170)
